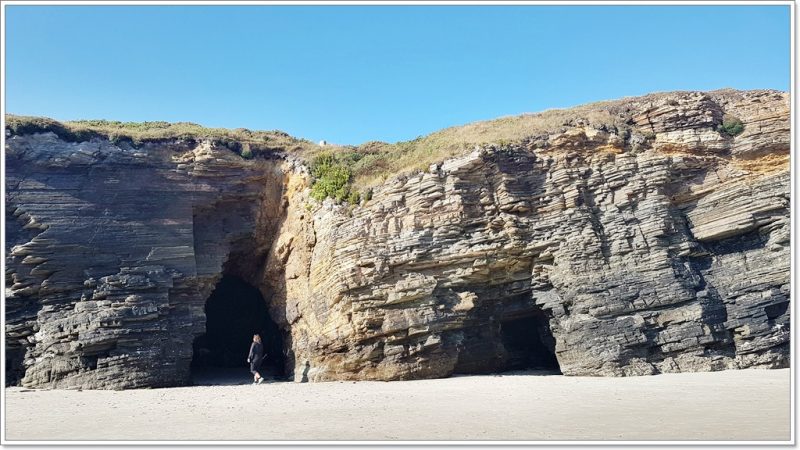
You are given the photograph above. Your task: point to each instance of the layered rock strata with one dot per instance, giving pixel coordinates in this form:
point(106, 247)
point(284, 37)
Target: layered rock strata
point(111, 252)
point(660, 246)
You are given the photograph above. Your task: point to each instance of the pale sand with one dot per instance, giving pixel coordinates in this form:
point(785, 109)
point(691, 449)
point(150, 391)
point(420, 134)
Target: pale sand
point(738, 405)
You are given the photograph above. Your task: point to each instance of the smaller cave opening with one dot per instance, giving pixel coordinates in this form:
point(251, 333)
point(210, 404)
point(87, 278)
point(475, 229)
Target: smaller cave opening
point(529, 344)
point(15, 369)
point(236, 311)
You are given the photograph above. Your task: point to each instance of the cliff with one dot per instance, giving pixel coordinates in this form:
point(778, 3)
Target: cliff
point(633, 237)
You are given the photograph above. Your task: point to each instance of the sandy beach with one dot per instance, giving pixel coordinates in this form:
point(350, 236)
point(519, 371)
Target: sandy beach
point(730, 405)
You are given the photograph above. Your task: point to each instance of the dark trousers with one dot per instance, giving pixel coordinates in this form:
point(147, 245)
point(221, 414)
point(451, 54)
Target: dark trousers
point(255, 364)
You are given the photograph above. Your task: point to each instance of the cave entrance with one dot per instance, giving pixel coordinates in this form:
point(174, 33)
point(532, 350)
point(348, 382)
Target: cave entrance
point(236, 311)
point(529, 344)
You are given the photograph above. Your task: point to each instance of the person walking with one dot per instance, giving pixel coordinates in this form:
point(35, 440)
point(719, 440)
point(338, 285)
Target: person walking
point(255, 358)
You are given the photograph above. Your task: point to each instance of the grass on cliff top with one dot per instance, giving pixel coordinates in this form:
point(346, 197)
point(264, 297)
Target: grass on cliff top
point(371, 162)
point(347, 173)
point(374, 162)
point(344, 173)
point(350, 172)
point(138, 133)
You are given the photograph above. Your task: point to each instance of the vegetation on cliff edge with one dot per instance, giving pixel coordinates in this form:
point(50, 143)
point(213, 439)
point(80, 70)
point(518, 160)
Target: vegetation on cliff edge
point(241, 140)
point(347, 173)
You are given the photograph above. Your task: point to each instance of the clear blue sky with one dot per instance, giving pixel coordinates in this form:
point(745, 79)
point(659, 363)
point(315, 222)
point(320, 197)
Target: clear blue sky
point(350, 74)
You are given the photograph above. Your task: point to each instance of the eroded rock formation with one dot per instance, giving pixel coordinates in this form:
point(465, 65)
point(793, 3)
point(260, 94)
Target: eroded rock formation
point(660, 247)
point(111, 252)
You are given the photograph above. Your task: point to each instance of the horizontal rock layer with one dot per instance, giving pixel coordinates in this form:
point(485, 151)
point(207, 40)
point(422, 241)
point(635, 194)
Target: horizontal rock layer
point(660, 247)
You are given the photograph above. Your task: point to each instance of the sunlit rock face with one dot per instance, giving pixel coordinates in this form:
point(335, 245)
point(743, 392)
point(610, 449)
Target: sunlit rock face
point(661, 250)
point(590, 249)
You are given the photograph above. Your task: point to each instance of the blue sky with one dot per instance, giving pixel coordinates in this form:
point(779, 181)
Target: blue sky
point(350, 74)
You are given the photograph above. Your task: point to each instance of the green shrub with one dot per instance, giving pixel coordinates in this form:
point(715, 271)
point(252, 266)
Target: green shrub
point(354, 198)
point(247, 152)
point(331, 178)
point(731, 125)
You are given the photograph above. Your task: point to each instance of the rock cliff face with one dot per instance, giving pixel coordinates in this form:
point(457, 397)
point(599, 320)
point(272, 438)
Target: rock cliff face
point(111, 253)
point(591, 249)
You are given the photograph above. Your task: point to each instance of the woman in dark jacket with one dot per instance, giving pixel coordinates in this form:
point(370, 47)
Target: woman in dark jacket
point(255, 357)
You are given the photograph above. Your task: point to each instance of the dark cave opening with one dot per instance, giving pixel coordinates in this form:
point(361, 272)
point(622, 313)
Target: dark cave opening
point(529, 344)
point(236, 311)
point(15, 369)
